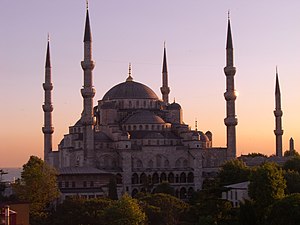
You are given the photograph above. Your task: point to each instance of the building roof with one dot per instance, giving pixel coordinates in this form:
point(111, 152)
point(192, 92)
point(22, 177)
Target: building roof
point(144, 117)
point(80, 170)
point(130, 90)
point(242, 185)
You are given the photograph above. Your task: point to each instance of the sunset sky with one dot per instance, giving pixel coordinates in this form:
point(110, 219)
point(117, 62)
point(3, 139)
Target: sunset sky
point(265, 34)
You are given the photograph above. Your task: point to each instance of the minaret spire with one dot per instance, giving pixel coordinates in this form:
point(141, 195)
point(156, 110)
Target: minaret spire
point(165, 90)
point(88, 93)
point(278, 115)
point(47, 107)
point(230, 97)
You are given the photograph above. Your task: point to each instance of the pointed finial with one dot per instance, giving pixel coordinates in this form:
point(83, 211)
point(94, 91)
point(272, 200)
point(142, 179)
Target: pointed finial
point(229, 37)
point(87, 5)
point(277, 88)
point(196, 124)
point(87, 29)
point(174, 100)
point(129, 78)
point(164, 44)
point(228, 14)
point(48, 62)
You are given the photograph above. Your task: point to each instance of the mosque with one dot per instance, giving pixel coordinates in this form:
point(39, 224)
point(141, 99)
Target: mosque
point(135, 136)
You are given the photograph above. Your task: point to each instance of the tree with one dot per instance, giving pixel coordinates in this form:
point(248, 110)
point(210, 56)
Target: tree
point(81, 211)
point(165, 188)
point(125, 211)
point(37, 186)
point(233, 171)
point(292, 181)
point(163, 209)
point(291, 153)
point(267, 184)
point(112, 189)
point(292, 164)
point(286, 211)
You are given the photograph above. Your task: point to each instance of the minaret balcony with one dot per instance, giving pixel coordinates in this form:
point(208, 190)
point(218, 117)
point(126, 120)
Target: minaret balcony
point(230, 95)
point(48, 130)
point(88, 65)
point(47, 108)
point(165, 90)
point(47, 86)
point(231, 121)
point(278, 132)
point(229, 70)
point(278, 113)
point(88, 92)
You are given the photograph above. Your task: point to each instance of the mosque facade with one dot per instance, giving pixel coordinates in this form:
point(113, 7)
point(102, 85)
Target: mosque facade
point(135, 136)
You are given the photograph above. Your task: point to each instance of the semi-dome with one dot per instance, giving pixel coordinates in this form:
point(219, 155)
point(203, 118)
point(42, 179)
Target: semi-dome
point(144, 117)
point(130, 90)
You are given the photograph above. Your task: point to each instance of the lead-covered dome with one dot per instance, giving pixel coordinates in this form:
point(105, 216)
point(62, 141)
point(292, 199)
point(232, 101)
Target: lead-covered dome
point(130, 90)
point(144, 117)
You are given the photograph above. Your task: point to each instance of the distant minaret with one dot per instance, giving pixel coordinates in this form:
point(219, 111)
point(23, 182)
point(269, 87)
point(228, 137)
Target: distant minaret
point(292, 147)
point(230, 97)
point(278, 114)
point(165, 90)
point(88, 93)
point(47, 107)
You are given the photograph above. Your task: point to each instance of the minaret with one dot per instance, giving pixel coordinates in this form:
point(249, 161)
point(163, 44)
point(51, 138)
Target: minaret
point(230, 97)
point(47, 107)
point(292, 148)
point(88, 93)
point(165, 90)
point(278, 114)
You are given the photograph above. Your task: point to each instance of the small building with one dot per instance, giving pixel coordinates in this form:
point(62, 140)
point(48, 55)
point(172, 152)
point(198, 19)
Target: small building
point(236, 193)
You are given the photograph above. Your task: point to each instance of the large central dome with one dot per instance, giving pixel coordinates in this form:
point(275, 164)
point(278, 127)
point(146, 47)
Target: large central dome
point(130, 90)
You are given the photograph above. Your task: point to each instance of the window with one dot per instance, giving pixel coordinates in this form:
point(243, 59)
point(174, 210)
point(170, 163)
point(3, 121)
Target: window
point(84, 183)
point(92, 184)
point(73, 184)
point(67, 184)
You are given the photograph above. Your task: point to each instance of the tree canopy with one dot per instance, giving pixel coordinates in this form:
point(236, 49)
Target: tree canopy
point(286, 211)
point(267, 184)
point(233, 171)
point(292, 164)
point(125, 211)
point(37, 186)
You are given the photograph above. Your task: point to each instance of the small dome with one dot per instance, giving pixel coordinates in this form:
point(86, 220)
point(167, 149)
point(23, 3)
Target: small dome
point(144, 117)
point(203, 137)
point(174, 106)
point(130, 90)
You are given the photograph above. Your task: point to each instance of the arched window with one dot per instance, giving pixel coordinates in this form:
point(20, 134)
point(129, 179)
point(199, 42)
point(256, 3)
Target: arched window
point(144, 104)
point(150, 164)
point(166, 164)
point(163, 177)
point(185, 163)
point(178, 163)
point(141, 127)
point(171, 178)
point(134, 127)
point(130, 104)
point(182, 193)
point(137, 104)
point(190, 177)
point(155, 178)
point(182, 178)
point(146, 127)
point(129, 127)
point(143, 178)
point(158, 161)
point(139, 163)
